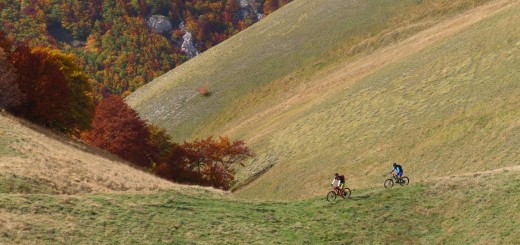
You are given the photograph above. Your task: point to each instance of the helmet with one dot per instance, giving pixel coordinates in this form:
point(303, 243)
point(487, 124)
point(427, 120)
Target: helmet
point(336, 174)
point(395, 164)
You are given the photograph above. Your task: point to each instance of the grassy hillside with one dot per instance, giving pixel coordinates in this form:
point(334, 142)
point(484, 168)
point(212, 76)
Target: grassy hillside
point(450, 108)
point(478, 209)
point(35, 160)
point(430, 84)
point(286, 47)
point(57, 191)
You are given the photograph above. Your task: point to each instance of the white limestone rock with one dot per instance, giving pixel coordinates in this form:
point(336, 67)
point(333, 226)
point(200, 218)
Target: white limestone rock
point(159, 23)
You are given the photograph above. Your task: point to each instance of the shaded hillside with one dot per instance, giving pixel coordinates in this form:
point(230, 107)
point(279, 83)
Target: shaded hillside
point(435, 90)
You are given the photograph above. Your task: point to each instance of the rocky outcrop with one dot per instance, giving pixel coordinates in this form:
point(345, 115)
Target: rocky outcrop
point(182, 38)
point(188, 42)
point(77, 44)
point(250, 8)
point(159, 23)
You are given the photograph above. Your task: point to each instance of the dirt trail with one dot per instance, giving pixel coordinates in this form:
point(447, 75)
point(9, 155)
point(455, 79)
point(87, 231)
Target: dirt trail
point(469, 177)
point(344, 75)
point(515, 168)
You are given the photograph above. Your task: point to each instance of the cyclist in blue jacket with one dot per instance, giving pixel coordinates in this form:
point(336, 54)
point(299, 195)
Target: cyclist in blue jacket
point(399, 169)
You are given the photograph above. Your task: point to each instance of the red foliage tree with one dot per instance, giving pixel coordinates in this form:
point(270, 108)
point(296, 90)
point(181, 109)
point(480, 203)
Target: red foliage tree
point(171, 158)
point(229, 10)
point(212, 161)
point(45, 86)
point(270, 6)
point(10, 94)
point(175, 167)
point(118, 129)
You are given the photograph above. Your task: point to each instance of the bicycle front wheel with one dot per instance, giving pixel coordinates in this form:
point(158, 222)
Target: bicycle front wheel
point(389, 183)
point(331, 196)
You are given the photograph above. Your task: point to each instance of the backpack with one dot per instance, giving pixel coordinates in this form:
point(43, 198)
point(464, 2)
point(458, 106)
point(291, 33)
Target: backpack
point(341, 178)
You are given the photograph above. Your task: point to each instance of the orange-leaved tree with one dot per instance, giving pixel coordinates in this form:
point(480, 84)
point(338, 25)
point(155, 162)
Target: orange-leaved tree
point(170, 162)
point(118, 129)
point(56, 91)
point(213, 161)
point(163, 142)
point(81, 109)
point(270, 6)
point(48, 97)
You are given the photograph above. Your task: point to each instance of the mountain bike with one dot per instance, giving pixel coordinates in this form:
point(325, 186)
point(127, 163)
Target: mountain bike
point(336, 191)
point(389, 183)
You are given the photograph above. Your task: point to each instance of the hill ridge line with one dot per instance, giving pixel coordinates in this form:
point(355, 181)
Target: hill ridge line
point(43, 158)
point(340, 79)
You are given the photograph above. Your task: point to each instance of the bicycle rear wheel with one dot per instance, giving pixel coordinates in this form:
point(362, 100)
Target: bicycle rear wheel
point(389, 183)
point(331, 196)
point(347, 193)
point(404, 181)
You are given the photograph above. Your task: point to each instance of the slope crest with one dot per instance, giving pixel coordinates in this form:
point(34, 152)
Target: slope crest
point(36, 160)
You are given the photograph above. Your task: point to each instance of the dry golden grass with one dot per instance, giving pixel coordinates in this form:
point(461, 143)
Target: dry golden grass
point(328, 82)
point(291, 44)
point(36, 160)
point(359, 116)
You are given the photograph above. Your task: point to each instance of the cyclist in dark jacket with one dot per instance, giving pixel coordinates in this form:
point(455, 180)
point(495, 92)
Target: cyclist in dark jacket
point(340, 179)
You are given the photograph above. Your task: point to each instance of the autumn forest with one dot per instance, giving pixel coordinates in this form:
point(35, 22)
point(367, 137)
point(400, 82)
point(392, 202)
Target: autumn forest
point(112, 41)
point(66, 65)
